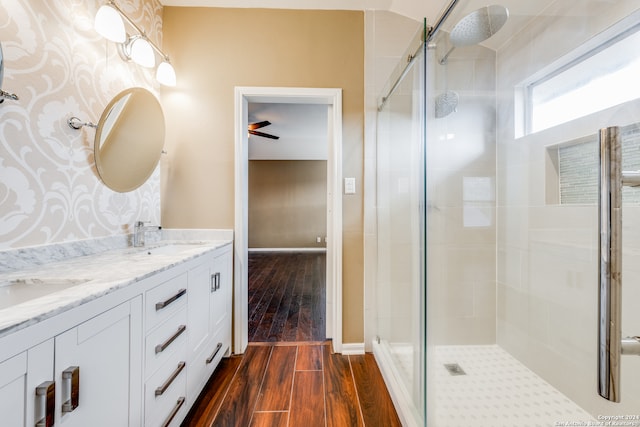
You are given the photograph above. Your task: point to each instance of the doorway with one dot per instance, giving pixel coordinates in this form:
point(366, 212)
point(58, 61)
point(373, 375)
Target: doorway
point(287, 202)
point(332, 98)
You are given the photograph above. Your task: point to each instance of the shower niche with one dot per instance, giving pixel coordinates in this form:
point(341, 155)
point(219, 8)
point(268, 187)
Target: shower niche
point(572, 169)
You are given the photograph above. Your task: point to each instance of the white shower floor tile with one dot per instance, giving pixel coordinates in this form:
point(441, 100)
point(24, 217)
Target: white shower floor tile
point(497, 391)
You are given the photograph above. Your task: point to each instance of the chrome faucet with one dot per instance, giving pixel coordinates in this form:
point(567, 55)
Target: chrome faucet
point(139, 230)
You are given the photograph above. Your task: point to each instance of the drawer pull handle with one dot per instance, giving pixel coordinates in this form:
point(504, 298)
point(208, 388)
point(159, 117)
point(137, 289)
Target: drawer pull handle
point(173, 413)
point(71, 377)
point(163, 304)
point(162, 347)
point(213, 356)
point(160, 390)
point(46, 391)
point(215, 282)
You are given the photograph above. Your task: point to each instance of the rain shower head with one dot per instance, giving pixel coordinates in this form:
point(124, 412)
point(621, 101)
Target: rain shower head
point(446, 103)
point(476, 27)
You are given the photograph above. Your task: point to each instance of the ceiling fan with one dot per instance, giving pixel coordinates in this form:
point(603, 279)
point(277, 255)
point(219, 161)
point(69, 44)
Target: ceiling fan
point(258, 125)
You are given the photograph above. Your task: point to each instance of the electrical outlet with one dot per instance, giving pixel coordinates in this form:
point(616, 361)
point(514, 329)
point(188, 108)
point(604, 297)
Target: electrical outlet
point(318, 239)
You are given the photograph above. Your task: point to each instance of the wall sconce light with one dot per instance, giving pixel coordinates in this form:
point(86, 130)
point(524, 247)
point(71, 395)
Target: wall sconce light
point(136, 47)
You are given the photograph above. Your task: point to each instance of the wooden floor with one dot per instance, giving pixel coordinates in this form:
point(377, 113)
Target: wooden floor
point(287, 296)
point(294, 385)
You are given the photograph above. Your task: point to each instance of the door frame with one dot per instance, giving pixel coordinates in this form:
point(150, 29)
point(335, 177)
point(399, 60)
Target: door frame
point(288, 95)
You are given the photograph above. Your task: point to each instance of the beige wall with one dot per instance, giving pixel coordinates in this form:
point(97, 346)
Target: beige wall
point(60, 67)
point(287, 203)
point(215, 50)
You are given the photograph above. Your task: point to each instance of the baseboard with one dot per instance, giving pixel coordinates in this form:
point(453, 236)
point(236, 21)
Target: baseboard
point(287, 249)
point(353, 349)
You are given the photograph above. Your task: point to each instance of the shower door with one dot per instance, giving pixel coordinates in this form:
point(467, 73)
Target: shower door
point(400, 342)
point(512, 237)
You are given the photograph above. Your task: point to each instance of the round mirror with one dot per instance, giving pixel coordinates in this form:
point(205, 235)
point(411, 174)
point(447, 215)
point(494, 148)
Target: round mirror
point(129, 139)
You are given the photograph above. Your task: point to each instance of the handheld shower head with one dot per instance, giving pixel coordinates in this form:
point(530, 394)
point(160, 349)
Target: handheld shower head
point(477, 27)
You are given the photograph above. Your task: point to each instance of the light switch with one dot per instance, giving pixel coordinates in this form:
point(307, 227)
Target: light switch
point(349, 186)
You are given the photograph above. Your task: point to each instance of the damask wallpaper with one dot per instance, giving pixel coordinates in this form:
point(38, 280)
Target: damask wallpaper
point(50, 191)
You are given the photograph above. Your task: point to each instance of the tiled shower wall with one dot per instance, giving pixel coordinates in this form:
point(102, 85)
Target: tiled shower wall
point(461, 220)
point(60, 67)
point(546, 252)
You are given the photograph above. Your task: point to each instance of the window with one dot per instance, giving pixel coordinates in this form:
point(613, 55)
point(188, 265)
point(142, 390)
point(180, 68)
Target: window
point(604, 76)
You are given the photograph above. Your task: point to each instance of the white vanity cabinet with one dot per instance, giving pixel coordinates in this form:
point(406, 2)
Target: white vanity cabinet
point(209, 302)
point(188, 331)
point(80, 377)
point(138, 355)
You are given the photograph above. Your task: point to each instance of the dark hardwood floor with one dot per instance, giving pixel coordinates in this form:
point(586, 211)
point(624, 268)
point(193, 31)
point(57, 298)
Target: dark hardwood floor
point(287, 298)
point(294, 385)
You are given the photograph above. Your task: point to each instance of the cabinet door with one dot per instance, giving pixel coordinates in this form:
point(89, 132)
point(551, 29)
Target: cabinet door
point(95, 368)
point(221, 302)
point(201, 289)
point(201, 286)
point(13, 374)
point(209, 312)
point(20, 377)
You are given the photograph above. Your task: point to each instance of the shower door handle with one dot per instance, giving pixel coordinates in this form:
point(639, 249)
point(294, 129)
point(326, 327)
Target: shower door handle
point(610, 343)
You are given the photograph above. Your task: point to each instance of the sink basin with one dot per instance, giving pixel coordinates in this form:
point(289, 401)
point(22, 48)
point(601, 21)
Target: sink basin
point(163, 250)
point(168, 249)
point(17, 291)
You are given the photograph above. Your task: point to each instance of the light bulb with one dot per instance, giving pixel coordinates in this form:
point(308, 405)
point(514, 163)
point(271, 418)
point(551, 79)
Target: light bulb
point(108, 23)
point(142, 52)
point(165, 74)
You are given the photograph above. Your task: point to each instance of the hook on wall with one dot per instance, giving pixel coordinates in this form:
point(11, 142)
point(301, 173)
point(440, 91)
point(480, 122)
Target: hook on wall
point(6, 95)
point(76, 123)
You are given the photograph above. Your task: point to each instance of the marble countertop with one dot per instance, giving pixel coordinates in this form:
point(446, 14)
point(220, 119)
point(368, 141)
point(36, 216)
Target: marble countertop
point(80, 279)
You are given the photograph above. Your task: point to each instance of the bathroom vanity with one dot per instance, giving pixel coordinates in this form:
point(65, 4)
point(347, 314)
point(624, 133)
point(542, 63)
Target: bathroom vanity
point(127, 337)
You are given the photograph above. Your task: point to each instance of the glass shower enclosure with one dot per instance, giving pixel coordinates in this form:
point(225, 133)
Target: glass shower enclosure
point(508, 268)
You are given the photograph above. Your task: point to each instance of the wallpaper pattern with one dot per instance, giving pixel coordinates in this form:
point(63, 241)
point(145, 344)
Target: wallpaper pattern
point(50, 191)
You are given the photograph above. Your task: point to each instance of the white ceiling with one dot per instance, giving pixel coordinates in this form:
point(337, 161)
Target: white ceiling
point(302, 128)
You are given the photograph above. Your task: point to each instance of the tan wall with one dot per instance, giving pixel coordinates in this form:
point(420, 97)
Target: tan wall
point(287, 203)
point(216, 49)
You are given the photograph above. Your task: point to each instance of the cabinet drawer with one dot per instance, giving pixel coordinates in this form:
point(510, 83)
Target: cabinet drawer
point(169, 337)
point(164, 389)
point(164, 300)
point(205, 361)
point(223, 335)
